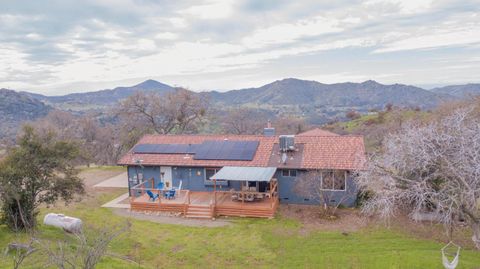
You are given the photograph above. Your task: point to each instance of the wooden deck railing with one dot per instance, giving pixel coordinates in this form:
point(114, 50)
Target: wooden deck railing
point(273, 192)
point(186, 202)
point(218, 203)
point(141, 189)
point(212, 208)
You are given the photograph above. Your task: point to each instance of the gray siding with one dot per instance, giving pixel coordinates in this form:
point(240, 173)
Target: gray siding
point(288, 196)
point(148, 173)
point(193, 178)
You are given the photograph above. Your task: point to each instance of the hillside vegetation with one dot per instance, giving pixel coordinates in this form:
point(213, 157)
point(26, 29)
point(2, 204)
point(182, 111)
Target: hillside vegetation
point(316, 102)
point(319, 102)
point(376, 125)
point(16, 108)
point(302, 103)
point(462, 91)
point(278, 243)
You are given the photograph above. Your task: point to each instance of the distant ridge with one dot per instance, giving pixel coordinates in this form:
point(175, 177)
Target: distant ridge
point(314, 101)
point(106, 97)
point(461, 91)
point(319, 102)
point(297, 92)
point(289, 91)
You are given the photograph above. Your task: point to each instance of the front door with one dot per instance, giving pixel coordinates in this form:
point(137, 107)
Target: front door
point(166, 176)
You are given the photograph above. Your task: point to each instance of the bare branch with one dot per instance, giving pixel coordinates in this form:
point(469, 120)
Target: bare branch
point(433, 167)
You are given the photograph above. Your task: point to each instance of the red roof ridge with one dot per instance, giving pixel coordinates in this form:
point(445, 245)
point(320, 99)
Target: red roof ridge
point(206, 135)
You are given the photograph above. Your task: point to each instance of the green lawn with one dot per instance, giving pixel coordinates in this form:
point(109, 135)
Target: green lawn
point(251, 243)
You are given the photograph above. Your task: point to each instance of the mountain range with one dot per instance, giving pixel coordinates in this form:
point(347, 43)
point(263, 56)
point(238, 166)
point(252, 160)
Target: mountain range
point(461, 91)
point(315, 101)
point(104, 97)
point(16, 108)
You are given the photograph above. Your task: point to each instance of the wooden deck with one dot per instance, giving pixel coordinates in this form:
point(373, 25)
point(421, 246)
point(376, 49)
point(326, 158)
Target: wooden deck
point(204, 204)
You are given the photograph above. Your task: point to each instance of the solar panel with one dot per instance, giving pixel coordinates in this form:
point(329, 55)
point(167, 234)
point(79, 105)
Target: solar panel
point(165, 148)
point(226, 150)
point(208, 150)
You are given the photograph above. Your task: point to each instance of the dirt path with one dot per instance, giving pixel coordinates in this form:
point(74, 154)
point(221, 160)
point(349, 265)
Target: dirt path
point(94, 176)
point(171, 219)
point(118, 181)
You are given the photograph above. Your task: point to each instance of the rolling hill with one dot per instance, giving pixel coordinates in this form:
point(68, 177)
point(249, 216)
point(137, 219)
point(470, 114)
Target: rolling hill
point(461, 91)
point(102, 98)
point(317, 102)
point(320, 102)
point(17, 108)
point(294, 91)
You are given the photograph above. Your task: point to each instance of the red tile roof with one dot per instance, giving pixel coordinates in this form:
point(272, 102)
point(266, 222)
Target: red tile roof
point(332, 152)
point(319, 152)
point(260, 159)
point(317, 132)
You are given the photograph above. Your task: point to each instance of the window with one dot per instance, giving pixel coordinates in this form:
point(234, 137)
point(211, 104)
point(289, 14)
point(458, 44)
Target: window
point(209, 172)
point(328, 180)
point(340, 180)
point(334, 180)
point(289, 173)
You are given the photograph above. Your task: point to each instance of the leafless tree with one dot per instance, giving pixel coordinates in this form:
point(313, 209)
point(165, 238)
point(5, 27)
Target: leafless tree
point(81, 250)
point(352, 115)
point(318, 185)
point(175, 112)
point(100, 143)
point(434, 167)
point(290, 125)
point(84, 250)
point(63, 123)
point(19, 250)
point(245, 121)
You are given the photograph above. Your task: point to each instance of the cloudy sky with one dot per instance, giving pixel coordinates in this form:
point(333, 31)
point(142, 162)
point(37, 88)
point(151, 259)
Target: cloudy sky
point(56, 47)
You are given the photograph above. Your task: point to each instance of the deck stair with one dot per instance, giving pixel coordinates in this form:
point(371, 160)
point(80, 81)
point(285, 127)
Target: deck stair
point(199, 211)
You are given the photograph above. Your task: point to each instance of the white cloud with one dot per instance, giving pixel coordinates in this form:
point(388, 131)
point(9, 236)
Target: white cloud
point(434, 40)
point(403, 6)
point(217, 9)
point(166, 36)
point(290, 32)
point(209, 41)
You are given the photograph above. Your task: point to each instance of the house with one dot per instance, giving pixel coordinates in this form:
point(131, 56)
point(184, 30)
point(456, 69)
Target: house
point(239, 175)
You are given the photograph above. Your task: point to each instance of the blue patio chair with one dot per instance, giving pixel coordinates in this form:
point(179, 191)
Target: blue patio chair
point(170, 194)
point(152, 196)
point(166, 194)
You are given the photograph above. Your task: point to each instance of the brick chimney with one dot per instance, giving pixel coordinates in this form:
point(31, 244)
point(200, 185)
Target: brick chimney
point(269, 130)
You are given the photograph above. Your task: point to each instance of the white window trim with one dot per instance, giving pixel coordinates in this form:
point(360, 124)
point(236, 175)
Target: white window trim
point(289, 174)
point(209, 180)
point(334, 178)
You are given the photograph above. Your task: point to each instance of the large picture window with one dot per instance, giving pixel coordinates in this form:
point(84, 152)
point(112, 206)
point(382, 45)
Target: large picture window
point(334, 180)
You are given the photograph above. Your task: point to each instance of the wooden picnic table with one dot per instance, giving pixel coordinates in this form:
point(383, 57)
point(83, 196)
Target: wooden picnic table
point(247, 196)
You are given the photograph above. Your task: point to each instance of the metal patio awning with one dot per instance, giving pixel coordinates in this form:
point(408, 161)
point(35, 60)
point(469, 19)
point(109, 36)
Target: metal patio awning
point(242, 173)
